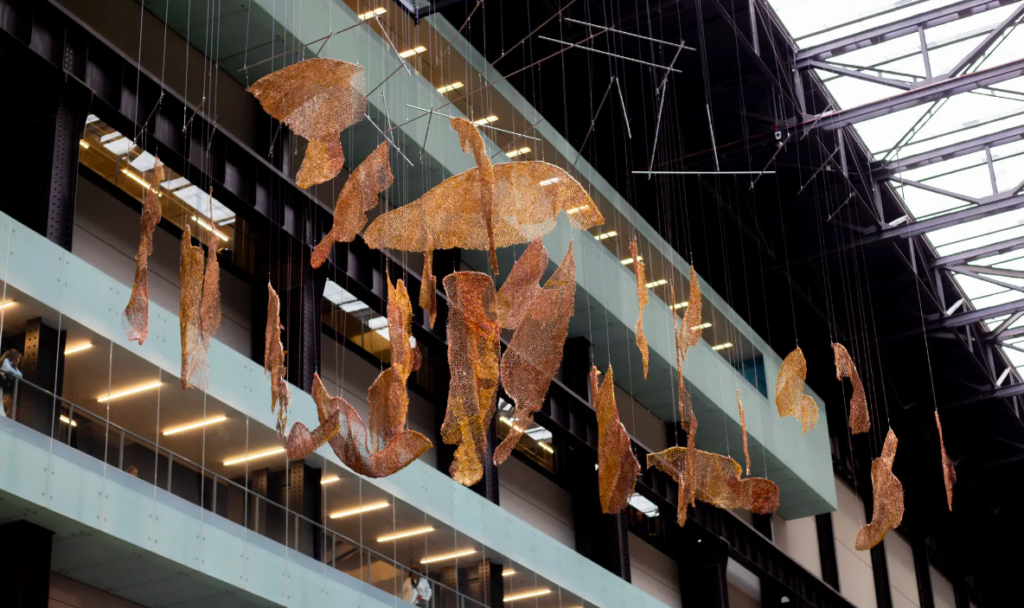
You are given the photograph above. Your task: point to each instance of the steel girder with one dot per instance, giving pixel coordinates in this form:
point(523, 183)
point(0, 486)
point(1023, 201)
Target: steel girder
point(943, 221)
point(977, 316)
point(963, 148)
point(978, 253)
point(896, 29)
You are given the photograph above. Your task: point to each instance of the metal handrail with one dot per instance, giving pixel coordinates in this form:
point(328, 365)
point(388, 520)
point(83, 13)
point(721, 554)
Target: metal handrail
point(172, 457)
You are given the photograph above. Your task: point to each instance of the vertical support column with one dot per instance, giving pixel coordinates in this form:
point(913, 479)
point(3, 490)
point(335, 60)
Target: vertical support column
point(43, 365)
point(602, 538)
point(962, 595)
point(703, 560)
point(764, 525)
point(576, 366)
point(25, 565)
point(301, 307)
point(753, 28)
point(879, 568)
point(495, 586)
point(259, 483)
point(827, 550)
point(69, 125)
point(924, 576)
point(304, 499)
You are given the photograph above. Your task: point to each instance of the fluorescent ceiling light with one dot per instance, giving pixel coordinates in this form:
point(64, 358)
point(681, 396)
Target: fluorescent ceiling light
point(7, 303)
point(91, 119)
point(547, 447)
point(520, 151)
point(527, 594)
point(200, 203)
point(657, 283)
point(405, 534)
point(701, 326)
point(130, 391)
point(144, 162)
point(380, 326)
point(679, 305)
point(412, 51)
point(550, 181)
point(83, 143)
point(331, 479)
point(438, 558)
point(138, 180)
point(219, 234)
point(70, 350)
point(255, 456)
point(373, 506)
point(628, 261)
point(195, 425)
point(575, 210)
point(67, 420)
point(509, 422)
point(722, 346)
point(174, 184)
point(110, 136)
point(508, 572)
point(606, 235)
point(486, 121)
point(643, 505)
point(371, 14)
point(118, 147)
point(450, 87)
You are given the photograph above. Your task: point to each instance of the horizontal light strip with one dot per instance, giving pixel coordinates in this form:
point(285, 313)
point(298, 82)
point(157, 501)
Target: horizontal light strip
point(411, 52)
point(509, 422)
point(628, 261)
point(66, 420)
point(272, 452)
point(331, 479)
point(219, 234)
point(405, 534)
point(195, 425)
point(575, 210)
point(486, 121)
point(679, 305)
point(131, 391)
point(439, 558)
point(138, 180)
point(77, 349)
point(8, 303)
point(701, 326)
point(450, 87)
point(508, 572)
point(606, 235)
point(550, 181)
point(657, 283)
point(527, 594)
point(722, 346)
point(513, 153)
point(83, 143)
point(373, 506)
point(547, 447)
point(371, 14)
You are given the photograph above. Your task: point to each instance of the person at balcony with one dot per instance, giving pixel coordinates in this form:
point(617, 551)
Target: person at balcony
point(134, 472)
point(9, 371)
point(416, 589)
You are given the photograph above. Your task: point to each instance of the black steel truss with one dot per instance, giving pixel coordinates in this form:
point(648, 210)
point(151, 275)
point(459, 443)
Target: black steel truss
point(892, 167)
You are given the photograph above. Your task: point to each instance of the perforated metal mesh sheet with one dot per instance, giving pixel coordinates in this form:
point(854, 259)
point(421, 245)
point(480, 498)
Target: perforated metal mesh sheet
point(887, 509)
point(789, 391)
point(209, 310)
point(273, 362)
point(860, 422)
point(641, 294)
point(323, 162)
point(194, 367)
point(692, 324)
point(472, 142)
point(948, 471)
point(522, 285)
point(136, 314)
point(743, 427)
point(617, 465)
point(428, 288)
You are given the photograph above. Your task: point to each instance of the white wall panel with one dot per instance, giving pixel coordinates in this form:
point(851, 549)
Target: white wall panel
point(654, 572)
point(798, 538)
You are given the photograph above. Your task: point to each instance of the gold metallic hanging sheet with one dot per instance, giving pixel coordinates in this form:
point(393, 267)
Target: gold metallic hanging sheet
point(522, 285)
point(641, 294)
point(789, 391)
point(686, 417)
point(209, 311)
point(302, 442)
point(860, 422)
point(528, 196)
point(317, 98)
point(535, 351)
point(474, 349)
point(273, 362)
point(887, 509)
point(692, 324)
point(193, 355)
point(136, 314)
point(718, 482)
point(743, 426)
point(428, 287)
point(473, 143)
point(617, 468)
point(358, 195)
point(948, 472)
point(323, 162)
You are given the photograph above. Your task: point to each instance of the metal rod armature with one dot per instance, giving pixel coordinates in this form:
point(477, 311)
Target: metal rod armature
point(593, 121)
point(390, 141)
point(409, 105)
point(640, 61)
point(665, 42)
point(704, 172)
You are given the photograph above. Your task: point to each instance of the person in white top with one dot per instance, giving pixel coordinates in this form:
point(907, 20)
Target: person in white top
point(416, 589)
point(9, 362)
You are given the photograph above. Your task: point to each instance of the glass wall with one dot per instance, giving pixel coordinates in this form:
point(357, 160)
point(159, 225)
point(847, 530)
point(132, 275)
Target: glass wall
point(112, 405)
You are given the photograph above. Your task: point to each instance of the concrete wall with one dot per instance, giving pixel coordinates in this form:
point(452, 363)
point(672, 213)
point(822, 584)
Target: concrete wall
point(856, 577)
point(902, 574)
point(942, 590)
point(67, 593)
point(536, 500)
point(798, 538)
point(646, 428)
point(654, 572)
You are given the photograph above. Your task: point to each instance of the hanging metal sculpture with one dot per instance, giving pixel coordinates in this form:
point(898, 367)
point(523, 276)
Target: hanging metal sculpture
point(302, 442)
point(474, 349)
point(860, 422)
point(617, 467)
point(687, 419)
point(318, 99)
point(789, 391)
point(359, 195)
point(948, 471)
point(193, 355)
point(273, 362)
point(535, 351)
point(428, 288)
point(209, 310)
point(641, 294)
point(887, 508)
point(473, 143)
point(743, 427)
point(136, 314)
point(522, 285)
point(693, 326)
point(717, 482)
point(527, 197)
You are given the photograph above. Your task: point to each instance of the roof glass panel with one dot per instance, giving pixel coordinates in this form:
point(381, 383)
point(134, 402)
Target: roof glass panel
point(804, 18)
point(1003, 297)
point(924, 202)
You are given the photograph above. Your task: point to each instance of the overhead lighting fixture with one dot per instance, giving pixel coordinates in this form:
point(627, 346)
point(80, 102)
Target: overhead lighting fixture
point(256, 456)
point(373, 506)
point(371, 14)
point(575, 210)
point(331, 479)
point(406, 534)
point(527, 595)
point(547, 448)
point(657, 283)
point(508, 572)
point(219, 234)
point(701, 326)
point(195, 425)
point(450, 87)
point(628, 261)
point(520, 151)
point(606, 235)
point(412, 51)
point(131, 391)
point(67, 420)
point(550, 181)
point(83, 143)
point(509, 423)
point(440, 558)
point(70, 350)
point(722, 346)
point(7, 303)
point(138, 180)
point(679, 305)
point(486, 121)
